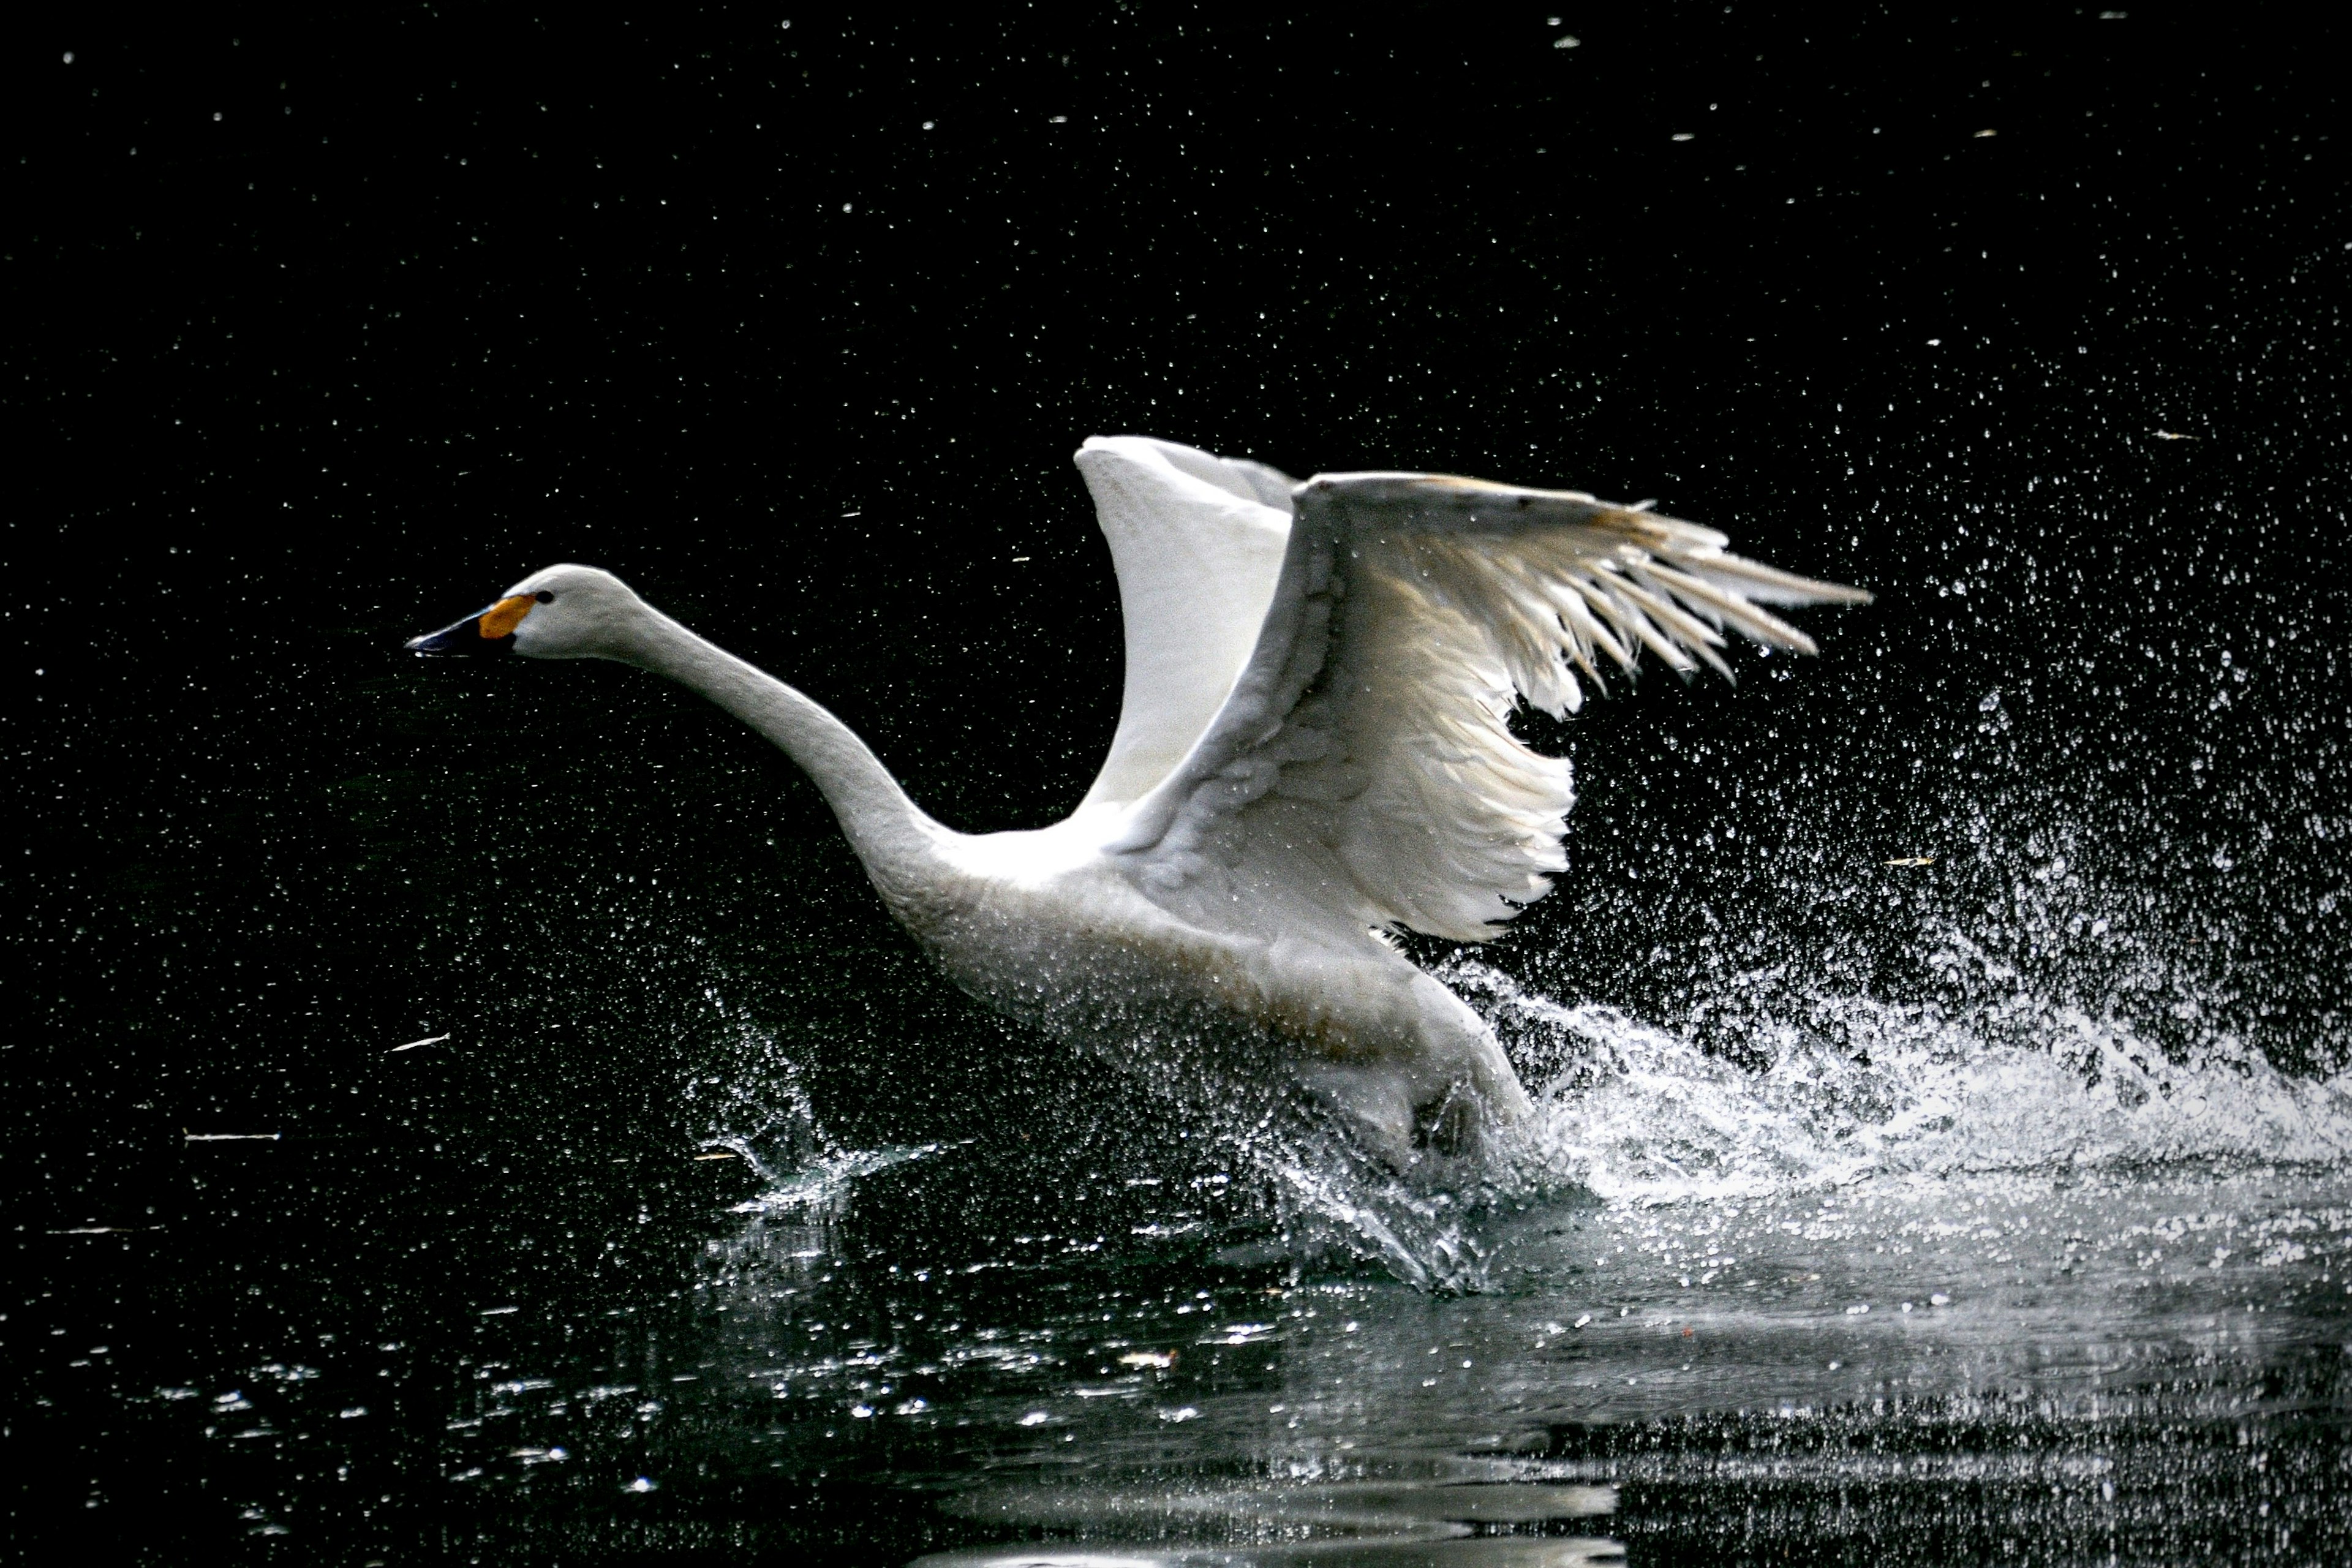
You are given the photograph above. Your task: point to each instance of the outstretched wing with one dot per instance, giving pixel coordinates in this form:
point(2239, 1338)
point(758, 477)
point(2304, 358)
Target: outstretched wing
point(1372, 717)
point(1198, 543)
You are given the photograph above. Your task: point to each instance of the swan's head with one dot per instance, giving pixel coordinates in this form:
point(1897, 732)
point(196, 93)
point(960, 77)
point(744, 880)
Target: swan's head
point(563, 612)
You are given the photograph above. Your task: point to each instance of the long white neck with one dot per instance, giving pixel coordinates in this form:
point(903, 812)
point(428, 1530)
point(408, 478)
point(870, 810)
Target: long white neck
point(898, 843)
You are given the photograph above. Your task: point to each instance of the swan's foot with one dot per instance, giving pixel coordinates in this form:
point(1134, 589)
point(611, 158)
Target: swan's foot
point(1458, 1126)
point(1378, 1105)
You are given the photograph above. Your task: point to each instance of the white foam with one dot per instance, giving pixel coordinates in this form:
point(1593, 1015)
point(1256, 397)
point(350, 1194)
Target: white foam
point(1861, 1087)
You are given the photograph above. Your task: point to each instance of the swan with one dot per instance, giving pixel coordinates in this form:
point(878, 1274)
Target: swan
point(1313, 751)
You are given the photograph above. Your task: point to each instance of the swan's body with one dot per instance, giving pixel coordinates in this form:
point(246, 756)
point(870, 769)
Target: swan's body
point(1312, 750)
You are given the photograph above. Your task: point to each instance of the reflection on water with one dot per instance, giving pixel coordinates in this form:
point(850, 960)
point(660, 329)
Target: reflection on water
point(1976, 1357)
point(1888, 1283)
point(1451, 1513)
point(2082, 1363)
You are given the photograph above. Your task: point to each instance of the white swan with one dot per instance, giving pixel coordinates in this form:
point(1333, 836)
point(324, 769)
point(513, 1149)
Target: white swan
point(1313, 749)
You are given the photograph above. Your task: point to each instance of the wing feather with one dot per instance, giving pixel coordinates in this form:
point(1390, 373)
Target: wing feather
point(1412, 612)
point(1198, 542)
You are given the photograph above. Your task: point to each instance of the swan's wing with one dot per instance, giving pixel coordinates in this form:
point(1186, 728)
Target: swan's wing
point(1372, 717)
point(1198, 543)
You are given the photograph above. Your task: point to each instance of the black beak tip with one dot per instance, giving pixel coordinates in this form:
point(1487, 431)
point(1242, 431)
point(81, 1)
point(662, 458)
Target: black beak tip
point(464, 638)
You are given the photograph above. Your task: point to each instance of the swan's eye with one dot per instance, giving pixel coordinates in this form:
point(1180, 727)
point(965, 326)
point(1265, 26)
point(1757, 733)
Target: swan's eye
point(545, 597)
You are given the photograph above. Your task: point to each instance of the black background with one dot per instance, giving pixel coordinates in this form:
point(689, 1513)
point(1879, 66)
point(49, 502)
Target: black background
point(319, 332)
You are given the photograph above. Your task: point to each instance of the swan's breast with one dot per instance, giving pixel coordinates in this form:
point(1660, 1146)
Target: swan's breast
point(1061, 936)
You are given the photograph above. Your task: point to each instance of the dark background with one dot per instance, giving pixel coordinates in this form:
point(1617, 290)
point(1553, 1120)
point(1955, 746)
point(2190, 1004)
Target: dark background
point(319, 332)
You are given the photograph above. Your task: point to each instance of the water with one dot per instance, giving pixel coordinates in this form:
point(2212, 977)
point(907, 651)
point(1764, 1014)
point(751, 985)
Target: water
point(1961, 1295)
point(1943, 1134)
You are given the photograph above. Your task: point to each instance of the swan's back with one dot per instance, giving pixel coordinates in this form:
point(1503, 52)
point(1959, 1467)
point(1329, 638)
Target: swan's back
point(1198, 543)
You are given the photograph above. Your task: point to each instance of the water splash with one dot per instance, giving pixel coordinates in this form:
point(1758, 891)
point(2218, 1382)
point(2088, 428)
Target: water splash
point(816, 1189)
point(1334, 1202)
point(761, 1110)
point(1779, 1086)
point(1773, 1082)
point(1827, 1089)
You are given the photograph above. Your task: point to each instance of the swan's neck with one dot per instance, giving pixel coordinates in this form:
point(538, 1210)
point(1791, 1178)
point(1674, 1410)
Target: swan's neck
point(899, 846)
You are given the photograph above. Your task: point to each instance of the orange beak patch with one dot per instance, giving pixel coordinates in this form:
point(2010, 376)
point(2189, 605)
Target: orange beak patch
point(502, 618)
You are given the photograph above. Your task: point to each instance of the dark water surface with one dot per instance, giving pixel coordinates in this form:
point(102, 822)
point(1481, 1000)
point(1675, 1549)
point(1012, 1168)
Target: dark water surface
point(1945, 1136)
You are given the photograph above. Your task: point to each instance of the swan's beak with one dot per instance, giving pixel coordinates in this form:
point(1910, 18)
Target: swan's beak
point(492, 631)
